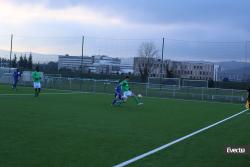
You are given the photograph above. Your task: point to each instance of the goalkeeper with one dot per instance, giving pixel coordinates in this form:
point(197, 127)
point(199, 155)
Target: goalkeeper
point(127, 92)
point(248, 99)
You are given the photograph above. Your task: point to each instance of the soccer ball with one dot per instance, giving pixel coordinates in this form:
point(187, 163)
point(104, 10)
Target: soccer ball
point(139, 95)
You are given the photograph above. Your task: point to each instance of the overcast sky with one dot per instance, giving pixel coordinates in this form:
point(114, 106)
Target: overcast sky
point(47, 21)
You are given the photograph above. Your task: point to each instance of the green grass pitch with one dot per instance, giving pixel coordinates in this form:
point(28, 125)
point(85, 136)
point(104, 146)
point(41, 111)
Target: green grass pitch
point(64, 130)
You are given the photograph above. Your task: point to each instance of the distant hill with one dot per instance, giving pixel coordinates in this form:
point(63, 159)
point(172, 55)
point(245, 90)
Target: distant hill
point(37, 57)
point(233, 65)
point(43, 58)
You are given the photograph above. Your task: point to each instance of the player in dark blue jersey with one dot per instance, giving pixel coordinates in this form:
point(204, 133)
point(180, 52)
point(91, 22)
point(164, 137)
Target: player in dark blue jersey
point(16, 76)
point(118, 94)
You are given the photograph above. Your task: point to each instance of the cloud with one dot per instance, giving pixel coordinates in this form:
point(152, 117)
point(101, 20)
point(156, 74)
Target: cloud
point(16, 14)
point(192, 20)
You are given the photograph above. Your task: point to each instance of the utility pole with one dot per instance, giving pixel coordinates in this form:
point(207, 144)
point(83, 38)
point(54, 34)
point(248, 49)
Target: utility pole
point(82, 55)
point(246, 54)
point(162, 61)
point(162, 56)
point(81, 72)
point(11, 43)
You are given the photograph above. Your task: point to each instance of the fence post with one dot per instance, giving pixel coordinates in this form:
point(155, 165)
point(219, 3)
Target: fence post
point(173, 91)
point(70, 87)
point(202, 93)
point(94, 90)
point(53, 86)
point(232, 95)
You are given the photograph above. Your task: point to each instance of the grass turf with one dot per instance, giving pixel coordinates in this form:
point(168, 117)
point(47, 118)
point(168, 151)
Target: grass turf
point(85, 130)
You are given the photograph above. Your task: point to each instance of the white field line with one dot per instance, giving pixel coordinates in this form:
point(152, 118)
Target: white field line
point(125, 163)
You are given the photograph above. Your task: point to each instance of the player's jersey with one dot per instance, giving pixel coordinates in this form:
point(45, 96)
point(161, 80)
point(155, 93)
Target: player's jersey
point(118, 89)
point(124, 85)
point(15, 75)
point(36, 76)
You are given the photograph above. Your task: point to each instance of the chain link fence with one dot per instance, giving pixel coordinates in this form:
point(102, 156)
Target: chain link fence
point(160, 91)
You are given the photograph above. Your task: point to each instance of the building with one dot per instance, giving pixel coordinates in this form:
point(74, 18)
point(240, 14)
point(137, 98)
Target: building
point(157, 68)
point(101, 64)
point(217, 70)
point(192, 70)
point(106, 65)
point(179, 69)
point(126, 69)
point(74, 62)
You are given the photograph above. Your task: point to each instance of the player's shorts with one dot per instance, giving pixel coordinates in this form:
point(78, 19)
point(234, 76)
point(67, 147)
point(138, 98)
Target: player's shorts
point(127, 94)
point(119, 95)
point(15, 81)
point(37, 85)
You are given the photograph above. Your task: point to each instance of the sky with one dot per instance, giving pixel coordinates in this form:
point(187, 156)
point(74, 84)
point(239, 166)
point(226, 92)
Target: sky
point(118, 27)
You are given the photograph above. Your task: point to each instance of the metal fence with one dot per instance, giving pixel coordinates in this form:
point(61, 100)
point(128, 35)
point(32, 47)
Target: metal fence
point(157, 90)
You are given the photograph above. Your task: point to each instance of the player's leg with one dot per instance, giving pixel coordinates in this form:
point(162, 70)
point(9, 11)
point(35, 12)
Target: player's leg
point(138, 101)
point(38, 89)
point(130, 93)
point(248, 105)
point(115, 99)
point(120, 99)
point(125, 97)
point(14, 84)
point(36, 92)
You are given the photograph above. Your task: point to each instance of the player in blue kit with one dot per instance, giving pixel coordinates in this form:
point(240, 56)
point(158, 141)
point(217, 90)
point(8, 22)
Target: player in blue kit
point(16, 76)
point(118, 94)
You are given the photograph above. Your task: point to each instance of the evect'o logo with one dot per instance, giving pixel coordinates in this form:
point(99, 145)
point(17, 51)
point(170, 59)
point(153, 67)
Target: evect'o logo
point(236, 150)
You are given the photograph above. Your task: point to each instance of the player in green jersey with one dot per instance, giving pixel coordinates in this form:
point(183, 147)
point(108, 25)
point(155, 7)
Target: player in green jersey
point(127, 92)
point(37, 76)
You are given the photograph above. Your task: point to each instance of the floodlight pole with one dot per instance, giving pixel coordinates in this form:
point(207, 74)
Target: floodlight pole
point(11, 44)
point(81, 72)
point(162, 56)
point(246, 52)
point(82, 54)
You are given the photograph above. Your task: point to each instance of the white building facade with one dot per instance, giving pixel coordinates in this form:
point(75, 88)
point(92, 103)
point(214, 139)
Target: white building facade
point(97, 64)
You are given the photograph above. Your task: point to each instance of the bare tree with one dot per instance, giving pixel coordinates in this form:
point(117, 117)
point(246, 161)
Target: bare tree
point(169, 72)
point(146, 59)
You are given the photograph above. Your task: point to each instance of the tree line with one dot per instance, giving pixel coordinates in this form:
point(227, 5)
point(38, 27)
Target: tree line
point(24, 62)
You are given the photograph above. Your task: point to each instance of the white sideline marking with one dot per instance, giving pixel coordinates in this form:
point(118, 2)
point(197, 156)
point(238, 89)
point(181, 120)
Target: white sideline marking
point(125, 163)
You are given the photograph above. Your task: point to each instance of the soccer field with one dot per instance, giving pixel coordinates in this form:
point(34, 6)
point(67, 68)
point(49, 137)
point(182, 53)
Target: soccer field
point(61, 128)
